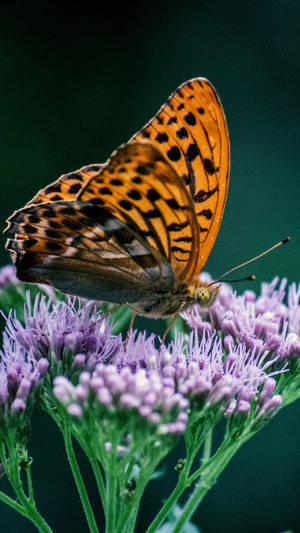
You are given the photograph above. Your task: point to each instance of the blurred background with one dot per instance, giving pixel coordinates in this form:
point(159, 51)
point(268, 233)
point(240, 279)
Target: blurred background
point(77, 84)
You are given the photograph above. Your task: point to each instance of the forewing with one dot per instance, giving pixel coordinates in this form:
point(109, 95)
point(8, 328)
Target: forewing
point(190, 131)
point(140, 187)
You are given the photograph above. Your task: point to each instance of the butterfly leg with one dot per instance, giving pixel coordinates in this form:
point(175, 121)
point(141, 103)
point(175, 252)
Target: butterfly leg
point(130, 328)
point(171, 324)
point(168, 328)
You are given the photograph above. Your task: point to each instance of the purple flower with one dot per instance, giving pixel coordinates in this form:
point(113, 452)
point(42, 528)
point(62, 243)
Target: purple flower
point(72, 334)
point(21, 377)
point(132, 398)
point(7, 276)
point(263, 323)
point(144, 387)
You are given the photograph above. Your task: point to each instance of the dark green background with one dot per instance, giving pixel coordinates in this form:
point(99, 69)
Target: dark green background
point(75, 85)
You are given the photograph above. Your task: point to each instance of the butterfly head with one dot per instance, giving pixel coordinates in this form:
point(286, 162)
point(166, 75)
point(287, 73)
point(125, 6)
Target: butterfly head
point(204, 293)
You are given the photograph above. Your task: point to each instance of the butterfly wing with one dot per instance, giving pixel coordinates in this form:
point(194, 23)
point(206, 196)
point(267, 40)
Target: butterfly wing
point(139, 186)
point(85, 250)
point(154, 208)
point(190, 131)
point(67, 186)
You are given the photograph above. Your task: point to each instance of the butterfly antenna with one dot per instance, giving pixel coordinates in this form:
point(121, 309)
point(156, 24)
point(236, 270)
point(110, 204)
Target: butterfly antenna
point(221, 278)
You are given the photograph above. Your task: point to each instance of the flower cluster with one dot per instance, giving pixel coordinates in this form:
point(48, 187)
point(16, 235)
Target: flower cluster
point(143, 383)
point(263, 323)
point(71, 334)
point(21, 377)
point(127, 395)
point(228, 364)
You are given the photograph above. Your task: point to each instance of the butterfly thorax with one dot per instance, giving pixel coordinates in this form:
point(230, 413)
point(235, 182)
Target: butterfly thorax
point(177, 299)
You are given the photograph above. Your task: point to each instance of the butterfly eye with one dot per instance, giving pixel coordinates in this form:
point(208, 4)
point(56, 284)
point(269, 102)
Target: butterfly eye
point(205, 295)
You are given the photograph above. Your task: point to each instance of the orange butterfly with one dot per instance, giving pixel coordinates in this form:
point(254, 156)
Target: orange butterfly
point(138, 229)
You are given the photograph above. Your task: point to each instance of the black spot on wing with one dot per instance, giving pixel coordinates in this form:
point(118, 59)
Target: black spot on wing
point(153, 195)
point(202, 196)
point(52, 234)
point(174, 153)
point(74, 176)
point(56, 187)
point(137, 180)
point(182, 133)
point(207, 213)
point(29, 243)
point(183, 239)
point(161, 138)
point(152, 213)
point(27, 228)
point(174, 226)
point(209, 166)
point(74, 188)
point(141, 169)
point(134, 194)
point(190, 119)
point(53, 246)
point(56, 198)
point(192, 151)
point(105, 191)
point(126, 205)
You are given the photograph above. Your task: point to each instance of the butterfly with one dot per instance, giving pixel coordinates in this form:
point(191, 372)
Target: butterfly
point(137, 229)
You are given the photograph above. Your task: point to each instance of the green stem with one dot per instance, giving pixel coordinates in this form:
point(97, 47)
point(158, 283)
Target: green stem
point(29, 483)
point(13, 504)
point(208, 478)
point(111, 489)
point(26, 505)
point(170, 502)
point(132, 517)
point(78, 480)
point(181, 486)
point(29, 507)
point(89, 452)
point(98, 477)
point(207, 446)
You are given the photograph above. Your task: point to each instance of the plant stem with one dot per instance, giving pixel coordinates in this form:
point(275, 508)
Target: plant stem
point(78, 480)
point(191, 452)
point(111, 489)
point(98, 477)
point(208, 478)
point(13, 504)
point(207, 446)
point(90, 454)
point(26, 505)
point(174, 496)
point(29, 483)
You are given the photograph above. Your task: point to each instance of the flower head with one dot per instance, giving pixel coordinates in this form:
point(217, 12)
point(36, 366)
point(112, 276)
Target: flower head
point(21, 377)
point(262, 323)
point(72, 334)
